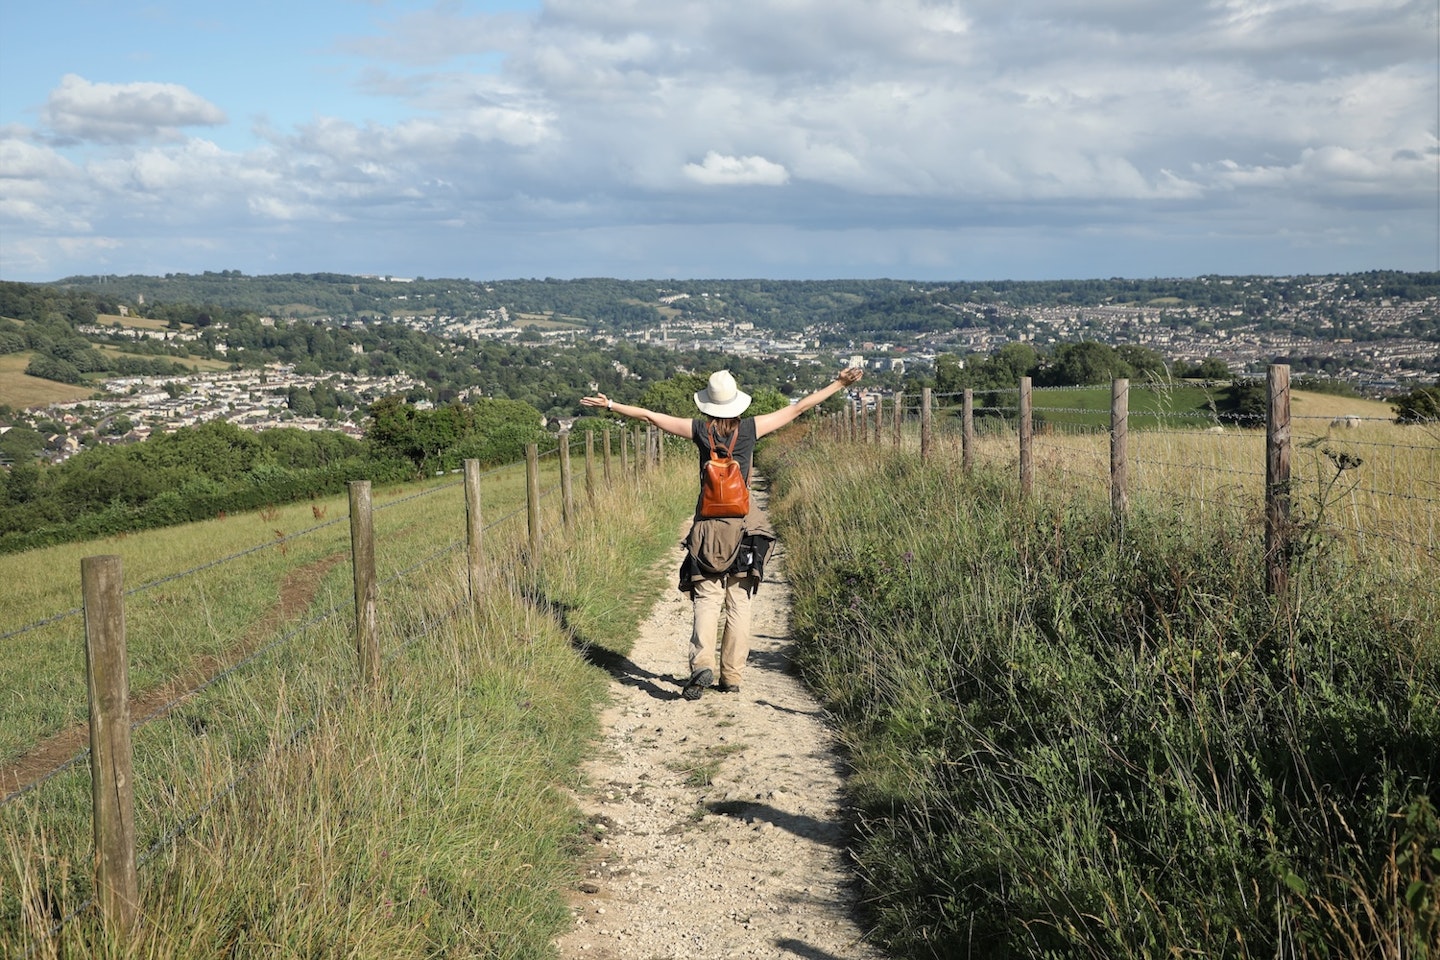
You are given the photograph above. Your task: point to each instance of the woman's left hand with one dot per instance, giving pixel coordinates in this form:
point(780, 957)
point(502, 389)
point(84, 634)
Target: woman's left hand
point(600, 401)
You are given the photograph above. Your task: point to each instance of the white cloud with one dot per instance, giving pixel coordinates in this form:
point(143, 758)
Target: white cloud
point(717, 170)
point(21, 159)
point(603, 117)
point(125, 112)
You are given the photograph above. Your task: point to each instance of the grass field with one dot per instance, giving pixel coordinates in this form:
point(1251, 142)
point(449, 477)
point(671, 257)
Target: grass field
point(137, 323)
point(548, 321)
point(19, 390)
point(428, 817)
point(200, 363)
point(1184, 405)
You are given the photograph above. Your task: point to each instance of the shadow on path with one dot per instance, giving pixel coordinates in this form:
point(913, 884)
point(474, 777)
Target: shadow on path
point(828, 832)
point(619, 666)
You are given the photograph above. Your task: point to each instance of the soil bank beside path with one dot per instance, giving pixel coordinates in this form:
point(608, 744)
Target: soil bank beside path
point(718, 822)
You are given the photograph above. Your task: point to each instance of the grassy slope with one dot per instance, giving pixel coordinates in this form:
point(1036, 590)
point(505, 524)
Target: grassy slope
point(20, 390)
point(430, 819)
point(1067, 747)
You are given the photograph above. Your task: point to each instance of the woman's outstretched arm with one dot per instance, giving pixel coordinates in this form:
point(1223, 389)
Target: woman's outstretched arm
point(770, 422)
point(679, 426)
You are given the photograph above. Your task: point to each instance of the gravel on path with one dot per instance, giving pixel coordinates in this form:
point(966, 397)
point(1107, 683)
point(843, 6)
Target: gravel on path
point(718, 823)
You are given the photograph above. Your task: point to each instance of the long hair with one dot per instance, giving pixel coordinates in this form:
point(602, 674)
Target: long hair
point(725, 426)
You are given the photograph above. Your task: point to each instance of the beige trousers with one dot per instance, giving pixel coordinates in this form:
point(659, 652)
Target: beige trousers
point(713, 597)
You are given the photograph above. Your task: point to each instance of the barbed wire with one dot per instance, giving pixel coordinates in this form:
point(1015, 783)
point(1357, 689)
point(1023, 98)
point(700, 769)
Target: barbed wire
point(187, 694)
point(181, 828)
point(1394, 493)
point(1430, 548)
point(166, 707)
point(1191, 466)
point(84, 907)
point(41, 623)
point(402, 573)
point(1197, 434)
point(41, 781)
point(185, 824)
point(1432, 448)
point(427, 628)
point(269, 544)
point(416, 496)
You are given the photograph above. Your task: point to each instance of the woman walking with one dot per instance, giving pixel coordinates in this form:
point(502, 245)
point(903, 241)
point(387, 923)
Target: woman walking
point(725, 555)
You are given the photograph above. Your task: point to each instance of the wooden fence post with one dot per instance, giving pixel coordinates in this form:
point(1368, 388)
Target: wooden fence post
point(639, 454)
point(879, 418)
point(660, 448)
point(624, 451)
point(590, 466)
point(532, 498)
point(1027, 433)
point(474, 528)
point(1277, 479)
point(967, 431)
point(367, 590)
point(1119, 443)
point(924, 424)
point(899, 414)
point(605, 435)
point(567, 490)
point(112, 777)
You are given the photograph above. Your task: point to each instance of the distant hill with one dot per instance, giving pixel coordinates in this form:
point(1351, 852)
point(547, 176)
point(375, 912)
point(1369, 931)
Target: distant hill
point(838, 308)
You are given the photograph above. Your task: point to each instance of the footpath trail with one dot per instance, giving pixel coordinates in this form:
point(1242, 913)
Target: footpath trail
point(718, 822)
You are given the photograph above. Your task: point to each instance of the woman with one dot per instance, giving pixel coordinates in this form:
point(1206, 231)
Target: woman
point(725, 557)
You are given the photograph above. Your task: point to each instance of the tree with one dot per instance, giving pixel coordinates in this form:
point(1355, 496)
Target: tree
point(1247, 400)
point(21, 444)
point(1085, 364)
point(1421, 405)
point(1145, 364)
point(1213, 368)
point(675, 396)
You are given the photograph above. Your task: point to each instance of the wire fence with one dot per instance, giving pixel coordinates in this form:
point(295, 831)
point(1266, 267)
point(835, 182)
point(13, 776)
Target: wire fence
point(1359, 479)
point(422, 554)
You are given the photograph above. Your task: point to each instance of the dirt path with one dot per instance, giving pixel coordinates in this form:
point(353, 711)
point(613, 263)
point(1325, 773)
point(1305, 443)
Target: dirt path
point(718, 822)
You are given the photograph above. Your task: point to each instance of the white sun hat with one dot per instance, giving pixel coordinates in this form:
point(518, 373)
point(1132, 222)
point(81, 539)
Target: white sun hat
point(722, 398)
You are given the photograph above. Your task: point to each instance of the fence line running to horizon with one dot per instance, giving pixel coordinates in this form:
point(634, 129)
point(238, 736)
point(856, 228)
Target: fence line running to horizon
point(115, 893)
point(1362, 480)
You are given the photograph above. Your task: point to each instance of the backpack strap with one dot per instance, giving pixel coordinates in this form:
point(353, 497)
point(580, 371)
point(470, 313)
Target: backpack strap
point(715, 446)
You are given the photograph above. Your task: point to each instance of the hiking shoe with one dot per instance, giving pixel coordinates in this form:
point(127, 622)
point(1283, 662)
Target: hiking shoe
point(699, 680)
point(725, 687)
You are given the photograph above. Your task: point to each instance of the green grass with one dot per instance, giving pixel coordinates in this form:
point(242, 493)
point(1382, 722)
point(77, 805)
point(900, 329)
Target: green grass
point(173, 624)
point(429, 817)
point(1181, 405)
point(1067, 743)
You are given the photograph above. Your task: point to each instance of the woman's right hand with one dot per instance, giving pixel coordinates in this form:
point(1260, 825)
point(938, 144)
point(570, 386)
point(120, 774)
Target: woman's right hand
point(850, 376)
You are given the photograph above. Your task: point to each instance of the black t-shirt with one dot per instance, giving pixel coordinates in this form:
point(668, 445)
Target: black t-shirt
point(744, 451)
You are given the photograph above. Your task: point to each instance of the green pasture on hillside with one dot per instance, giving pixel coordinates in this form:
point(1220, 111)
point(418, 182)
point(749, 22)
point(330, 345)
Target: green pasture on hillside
point(289, 811)
point(279, 554)
point(1182, 406)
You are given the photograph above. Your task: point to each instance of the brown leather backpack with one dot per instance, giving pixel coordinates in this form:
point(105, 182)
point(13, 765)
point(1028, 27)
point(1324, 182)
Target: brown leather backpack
point(723, 492)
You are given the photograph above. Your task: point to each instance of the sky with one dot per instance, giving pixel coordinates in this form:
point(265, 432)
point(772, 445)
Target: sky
point(687, 139)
